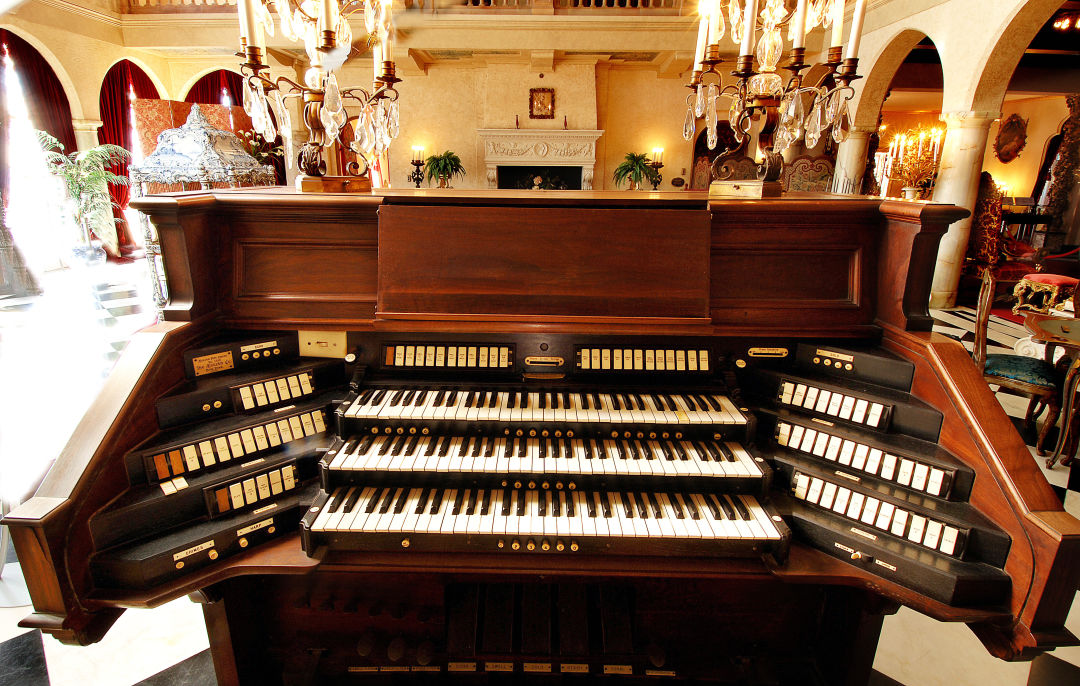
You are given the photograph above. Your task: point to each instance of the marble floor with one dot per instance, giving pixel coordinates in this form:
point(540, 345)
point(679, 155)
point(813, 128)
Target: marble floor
point(57, 349)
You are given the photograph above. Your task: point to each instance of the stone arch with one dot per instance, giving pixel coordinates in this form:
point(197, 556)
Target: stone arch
point(163, 92)
point(1005, 51)
point(194, 78)
point(880, 75)
point(74, 104)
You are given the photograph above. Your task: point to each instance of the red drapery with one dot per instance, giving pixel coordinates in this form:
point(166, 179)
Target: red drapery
point(207, 90)
point(45, 96)
point(115, 109)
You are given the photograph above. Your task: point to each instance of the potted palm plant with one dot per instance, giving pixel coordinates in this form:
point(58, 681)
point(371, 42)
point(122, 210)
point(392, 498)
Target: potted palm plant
point(443, 167)
point(87, 179)
point(635, 168)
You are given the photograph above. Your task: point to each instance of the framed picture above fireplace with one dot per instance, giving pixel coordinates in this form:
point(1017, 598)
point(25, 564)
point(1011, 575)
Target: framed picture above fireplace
point(541, 103)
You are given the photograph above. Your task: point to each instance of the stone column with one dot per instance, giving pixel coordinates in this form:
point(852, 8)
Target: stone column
point(851, 161)
point(958, 183)
point(86, 133)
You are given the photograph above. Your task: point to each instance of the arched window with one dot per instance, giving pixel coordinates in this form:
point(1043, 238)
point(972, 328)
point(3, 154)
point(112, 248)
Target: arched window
point(221, 87)
point(41, 230)
point(121, 85)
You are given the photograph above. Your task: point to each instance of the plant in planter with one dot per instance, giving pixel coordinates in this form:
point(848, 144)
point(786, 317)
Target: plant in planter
point(635, 168)
point(443, 167)
point(87, 179)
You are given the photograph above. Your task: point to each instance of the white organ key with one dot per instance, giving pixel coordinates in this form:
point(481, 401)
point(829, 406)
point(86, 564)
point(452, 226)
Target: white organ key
point(294, 387)
point(861, 453)
point(859, 414)
point(935, 481)
point(917, 528)
point(271, 392)
point(933, 534)
point(899, 522)
point(903, 477)
point(873, 460)
point(948, 540)
point(324, 513)
point(828, 494)
point(283, 389)
point(811, 398)
point(787, 391)
point(919, 476)
point(823, 402)
point(783, 433)
point(888, 466)
point(800, 393)
point(885, 515)
point(835, 403)
point(246, 399)
point(873, 418)
point(870, 510)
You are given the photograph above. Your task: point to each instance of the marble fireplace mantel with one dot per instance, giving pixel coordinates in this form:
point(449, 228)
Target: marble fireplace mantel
point(540, 147)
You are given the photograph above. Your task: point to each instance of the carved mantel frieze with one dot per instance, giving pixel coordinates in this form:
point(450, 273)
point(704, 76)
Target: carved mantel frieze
point(540, 147)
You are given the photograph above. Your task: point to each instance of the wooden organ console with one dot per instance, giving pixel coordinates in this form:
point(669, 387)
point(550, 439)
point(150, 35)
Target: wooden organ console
point(464, 436)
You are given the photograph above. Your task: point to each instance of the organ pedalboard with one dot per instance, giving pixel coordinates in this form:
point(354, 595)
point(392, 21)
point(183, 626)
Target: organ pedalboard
point(233, 464)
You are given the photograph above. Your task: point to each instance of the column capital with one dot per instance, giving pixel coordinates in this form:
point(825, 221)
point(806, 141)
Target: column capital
point(91, 125)
point(861, 131)
point(959, 119)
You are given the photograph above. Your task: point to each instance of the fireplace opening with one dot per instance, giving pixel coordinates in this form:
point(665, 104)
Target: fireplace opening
point(549, 178)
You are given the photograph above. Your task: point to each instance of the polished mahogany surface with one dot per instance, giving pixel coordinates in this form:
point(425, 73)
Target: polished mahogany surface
point(751, 277)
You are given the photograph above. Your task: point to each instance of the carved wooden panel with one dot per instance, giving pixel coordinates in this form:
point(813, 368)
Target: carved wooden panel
point(551, 263)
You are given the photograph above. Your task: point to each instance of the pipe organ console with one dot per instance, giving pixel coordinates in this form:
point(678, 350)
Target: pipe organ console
point(466, 436)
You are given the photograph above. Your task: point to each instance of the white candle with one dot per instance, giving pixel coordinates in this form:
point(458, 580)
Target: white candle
point(702, 42)
point(714, 12)
point(800, 25)
point(244, 8)
point(387, 47)
point(328, 10)
point(838, 24)
point(855, 35)
point(658, 155)
point(749, 27)
point(376, 60)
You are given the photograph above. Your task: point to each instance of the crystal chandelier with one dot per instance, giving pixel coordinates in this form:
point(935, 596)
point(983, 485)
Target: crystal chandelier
point(323, 27)
point(789, 111)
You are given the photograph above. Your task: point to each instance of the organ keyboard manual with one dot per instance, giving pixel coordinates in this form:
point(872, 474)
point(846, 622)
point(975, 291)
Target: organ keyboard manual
point(461, 436)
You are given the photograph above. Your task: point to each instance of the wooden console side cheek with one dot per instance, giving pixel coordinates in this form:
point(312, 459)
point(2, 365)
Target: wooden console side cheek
point(51, 529)
point(1009, 489)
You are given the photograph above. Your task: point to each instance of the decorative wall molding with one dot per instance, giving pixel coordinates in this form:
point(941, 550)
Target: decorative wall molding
point(540, 147)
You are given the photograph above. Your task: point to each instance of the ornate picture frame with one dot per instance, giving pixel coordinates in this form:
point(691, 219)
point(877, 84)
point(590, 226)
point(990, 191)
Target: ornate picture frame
point(1011, 138)
point(541, 103)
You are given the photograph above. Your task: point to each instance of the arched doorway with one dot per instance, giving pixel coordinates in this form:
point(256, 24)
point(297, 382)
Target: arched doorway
point(124, 82)
point(701, 162)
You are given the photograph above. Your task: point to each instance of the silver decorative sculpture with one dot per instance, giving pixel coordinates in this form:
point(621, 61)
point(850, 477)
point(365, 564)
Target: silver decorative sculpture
point(195, 153)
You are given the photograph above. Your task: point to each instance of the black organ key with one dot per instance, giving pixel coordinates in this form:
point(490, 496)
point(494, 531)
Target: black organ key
point(586, 445)
point(615, 401)
point(573, 612)
point(740, 507)
point(436, 501)
point(524, 400)
point(717, 513)
point(498, 632)
point(432, 442)
point(523, 447)
point(493, 401)
point(544, 448)
point(605, 502)
point(489, 446)
point(511, 400)
point(475, 452)
point(679, 450)
point(666, 449)
point(536, 619)
point(372, 502)
point(395, 396)
point(508, 449)
point(385, 507)
point(543, 401)
point(438, 401)
point(457, 502)
point(679, 514)
point(486, 506)
point(470, 506)
point(444, 448)
point(699, 447)
point(507, 496)
point(725, 452)
point(645, 450)
point(694, 512)
point(716, 407)
point(385, 445)
point(420, 398)
point(628, 509)
point(410, 447)
point(339, 500)
point(520, 498)
point(451, 398)
point(399, 505)
point(543, 502)
point(691, 403)
point(571, 511)
point(568, 448)
point(469, 398)
point(590, 503)
point(424, 495)
point(365, 444)
point(584, 397)
point(657, 512)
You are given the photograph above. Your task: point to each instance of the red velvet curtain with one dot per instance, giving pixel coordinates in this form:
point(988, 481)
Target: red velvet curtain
point(115, 109)
point(45, 96)
point(207, 90)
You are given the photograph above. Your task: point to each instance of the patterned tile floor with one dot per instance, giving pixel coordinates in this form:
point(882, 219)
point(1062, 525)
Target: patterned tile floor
point(57, 349)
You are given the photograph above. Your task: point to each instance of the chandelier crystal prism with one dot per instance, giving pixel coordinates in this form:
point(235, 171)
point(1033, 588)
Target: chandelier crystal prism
point(324, 29)
point(789, 111)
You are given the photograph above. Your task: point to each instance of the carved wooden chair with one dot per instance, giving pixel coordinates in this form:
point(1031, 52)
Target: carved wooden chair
point(1016, 374)
point(808, 174)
